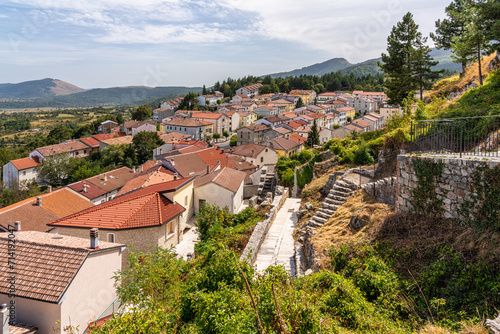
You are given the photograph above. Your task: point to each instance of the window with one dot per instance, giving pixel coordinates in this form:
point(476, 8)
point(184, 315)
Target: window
point(111, 237)
point(186, 200)
point(169, 230)
point(261, 159)
point(24, 172)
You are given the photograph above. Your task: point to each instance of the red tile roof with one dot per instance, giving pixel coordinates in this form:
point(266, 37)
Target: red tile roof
point(248, 150)
point(207, 115)
point(45, 263)
point(25, 163)
point(297, 138)
point(104, 136)
point(283, 144)
point(92, 191)
point(153, 175)
point(144, 207)
point(228, 178)
point(90, 141)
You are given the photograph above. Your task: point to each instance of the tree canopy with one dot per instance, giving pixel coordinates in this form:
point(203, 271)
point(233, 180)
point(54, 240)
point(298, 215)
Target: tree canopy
point(144, 143)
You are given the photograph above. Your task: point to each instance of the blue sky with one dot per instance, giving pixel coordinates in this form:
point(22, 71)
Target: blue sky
point(107, 43)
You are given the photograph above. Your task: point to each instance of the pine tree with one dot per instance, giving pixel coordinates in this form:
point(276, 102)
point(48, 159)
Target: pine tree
point(313, 135)
point(397, 63)
point(489, 12)
point(452, 27)
point(299, 103)
point(474, 41)
point(422, 64)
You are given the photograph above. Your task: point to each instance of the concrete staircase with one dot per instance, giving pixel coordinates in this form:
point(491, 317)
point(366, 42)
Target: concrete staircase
point(335, 198)
point(267, 182)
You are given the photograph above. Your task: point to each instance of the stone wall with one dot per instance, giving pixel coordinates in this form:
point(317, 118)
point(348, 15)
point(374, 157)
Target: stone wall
point(259, 233)
point(250, 190)
point(453, 187)
point(383, 191)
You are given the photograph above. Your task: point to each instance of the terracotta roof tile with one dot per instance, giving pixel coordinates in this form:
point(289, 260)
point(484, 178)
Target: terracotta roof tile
point(92, 191)
point(25, 163)
point(187, 122)
point(55, 205)
point(104, 136)
point(228, 178)
point(140, 208)
point(118, 140)
point(90, 141)
point(248, 150)
point(19, 328)
point(283, 144)
point(45, 263)
point(207, 115)
point(115, 179)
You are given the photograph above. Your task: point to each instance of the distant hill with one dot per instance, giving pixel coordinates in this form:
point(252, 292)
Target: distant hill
point(38, 89)
point(105, 97)
point(364, 68)
point(332, 65)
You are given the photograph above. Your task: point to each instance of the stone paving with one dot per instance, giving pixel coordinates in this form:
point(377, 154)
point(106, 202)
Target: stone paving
point(185, 248)
point(278, 246)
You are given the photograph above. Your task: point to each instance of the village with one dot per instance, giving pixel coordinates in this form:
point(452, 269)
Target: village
point(87, 228)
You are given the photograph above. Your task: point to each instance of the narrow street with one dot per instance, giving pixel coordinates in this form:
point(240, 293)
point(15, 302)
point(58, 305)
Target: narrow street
point(278, 246)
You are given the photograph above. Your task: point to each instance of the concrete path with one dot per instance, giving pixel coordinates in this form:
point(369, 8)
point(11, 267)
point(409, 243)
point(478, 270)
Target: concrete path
point(186, 247)
point(278, 246)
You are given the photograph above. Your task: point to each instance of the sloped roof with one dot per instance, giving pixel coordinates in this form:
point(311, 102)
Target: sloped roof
point(118, 140)
point(283, 144)
point(56, 204)
point(248, 150)
point(258, 127)
point(187, 122)
point(207, 115)
point(228, 178)
point(115, 179)
point(282, 130)
point(153, 175)
point(69, 146)
point(104, 136)
point(90, 141)
point(46, 264)
point(297, 138)
point(345, 109)
point(25, 163)
point(144, 207)
point(92, 191)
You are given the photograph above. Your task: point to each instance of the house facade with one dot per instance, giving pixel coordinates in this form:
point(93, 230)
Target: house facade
point(196, 129)
point(20, 171)
point(250, 90)
point(64, 279)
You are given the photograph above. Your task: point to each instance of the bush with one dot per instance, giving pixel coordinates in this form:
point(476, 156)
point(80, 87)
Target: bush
point(362, 156)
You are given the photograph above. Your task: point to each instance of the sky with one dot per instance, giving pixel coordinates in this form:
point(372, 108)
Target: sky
point(110, 43)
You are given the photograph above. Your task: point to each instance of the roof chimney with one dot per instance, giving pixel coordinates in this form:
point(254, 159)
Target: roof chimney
point(133, 169)
point(39, 201)
point(105, 177)
point(4, 318)
point(94, 238)
point(175, 176)
point(17, 225)
point(172, 161)
point(208, 169)
point(49, 189)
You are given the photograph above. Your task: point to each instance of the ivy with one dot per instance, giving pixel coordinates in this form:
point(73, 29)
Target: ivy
point(425, 200)
point(482, 210)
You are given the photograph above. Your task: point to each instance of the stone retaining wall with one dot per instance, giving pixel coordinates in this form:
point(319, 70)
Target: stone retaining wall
point(383, 191)
point(259, 233)
point(453, 187)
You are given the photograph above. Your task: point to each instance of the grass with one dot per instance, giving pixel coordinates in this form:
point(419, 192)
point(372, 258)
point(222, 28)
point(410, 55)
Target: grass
point(457, 83)
point(467, 328)
point(337, 231)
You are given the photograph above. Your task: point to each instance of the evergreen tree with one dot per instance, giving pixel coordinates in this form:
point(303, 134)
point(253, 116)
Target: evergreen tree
point(422, 64)
point(142, 112)
point(313, 135)
point(489, 12)
point(397, 63)
point(299, 103)
point(204, 91)
point(474, 41)
point(452, 27)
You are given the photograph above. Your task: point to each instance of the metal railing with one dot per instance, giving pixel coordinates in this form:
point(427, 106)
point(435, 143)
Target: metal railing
point(475, 136)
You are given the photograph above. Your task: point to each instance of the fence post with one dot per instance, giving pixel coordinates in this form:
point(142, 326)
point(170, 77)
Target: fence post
point(411, 137)
point(461, 136)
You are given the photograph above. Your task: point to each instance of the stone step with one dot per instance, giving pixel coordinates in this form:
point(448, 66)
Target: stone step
point(337, 198)
point(335, 202)
point(320, 220)
point(339, 193)
point(323, 215)
point(313, 223)
point(342, 189)
point(327, 211)
point(329, 206)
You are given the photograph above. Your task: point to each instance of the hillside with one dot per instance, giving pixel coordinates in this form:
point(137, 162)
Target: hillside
point(38, 89)
point(332, 65)
point(364, 68)
point(108, 97)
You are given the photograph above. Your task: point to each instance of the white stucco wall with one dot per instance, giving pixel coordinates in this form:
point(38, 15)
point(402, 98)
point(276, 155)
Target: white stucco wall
point(36, 313)
point(223, 198)
point(92, 289)
point(180, 197)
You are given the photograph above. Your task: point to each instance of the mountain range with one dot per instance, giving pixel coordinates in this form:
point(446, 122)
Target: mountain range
point(364, 68)
point(59, 94)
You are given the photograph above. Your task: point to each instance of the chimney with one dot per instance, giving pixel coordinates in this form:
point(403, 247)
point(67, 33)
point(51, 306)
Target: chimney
point(49, 189)
point(175, 176)
point(172, 162)
point(4, 317)
point(17, 225)
point(105, 177)
point(39, 201)
point(94, 238)
point(133, 169)
point(208, 169)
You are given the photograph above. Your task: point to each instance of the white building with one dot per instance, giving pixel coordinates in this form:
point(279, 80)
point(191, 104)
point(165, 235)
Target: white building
point(250, 90)
point(61, 278)
point(210, 100)
point(227, 183)
point(19, 171)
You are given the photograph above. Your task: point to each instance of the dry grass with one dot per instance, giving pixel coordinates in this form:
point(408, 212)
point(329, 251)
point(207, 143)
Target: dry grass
point(337, 231)
point(456, 83)
point(467, 328)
